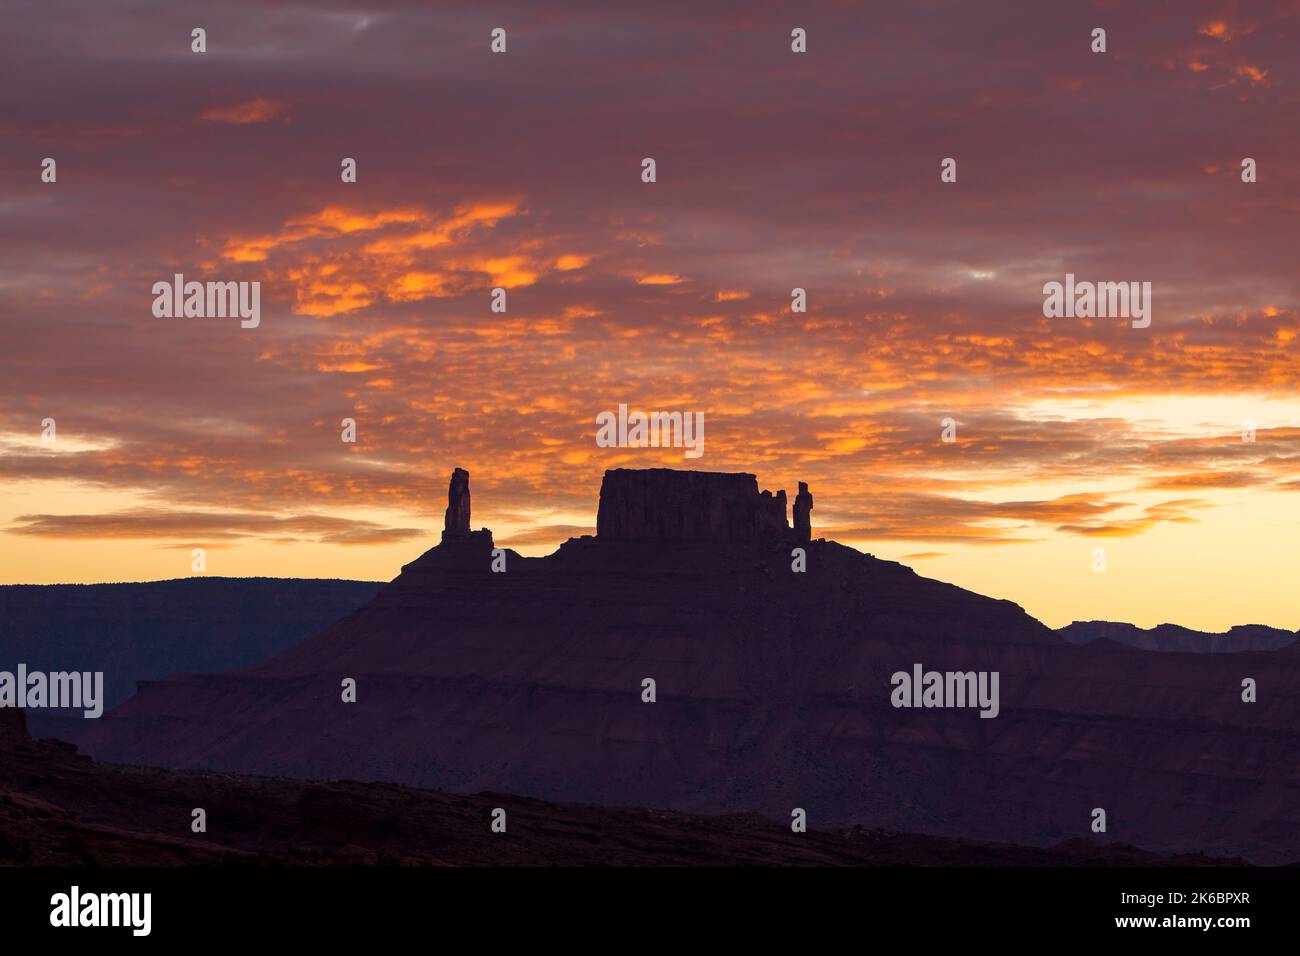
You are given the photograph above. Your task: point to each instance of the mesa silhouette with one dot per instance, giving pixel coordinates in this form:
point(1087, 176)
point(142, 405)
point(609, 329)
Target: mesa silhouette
point(773, 690)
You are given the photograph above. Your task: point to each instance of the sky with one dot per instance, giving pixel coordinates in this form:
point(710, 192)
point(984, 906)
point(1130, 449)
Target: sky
point(775, 170)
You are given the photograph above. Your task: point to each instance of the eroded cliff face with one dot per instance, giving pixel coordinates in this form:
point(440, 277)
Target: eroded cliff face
point(58, 808)
point(773, 691)
point(666, 505)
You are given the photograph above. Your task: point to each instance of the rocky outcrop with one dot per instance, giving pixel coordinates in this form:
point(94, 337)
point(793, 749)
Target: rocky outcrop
point(456, 521)
point(13, 726)
point(661, 504)
point(461, 548)
point(803, 505)
point(773, 506)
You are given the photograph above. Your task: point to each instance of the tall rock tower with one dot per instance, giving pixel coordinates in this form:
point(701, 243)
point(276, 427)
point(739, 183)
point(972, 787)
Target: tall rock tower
point(456, 522)
point(803, 505)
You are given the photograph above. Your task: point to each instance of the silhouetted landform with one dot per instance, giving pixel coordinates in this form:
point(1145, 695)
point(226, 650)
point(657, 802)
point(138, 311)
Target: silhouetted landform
point(1172, 637)
point(456, 520)
point(803, 504)
point(773, 692)
point(58, 808)
point(661, 504)
point(134, 632)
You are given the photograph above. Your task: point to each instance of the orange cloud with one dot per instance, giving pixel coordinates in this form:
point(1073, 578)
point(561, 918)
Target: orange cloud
point(334, 273)
point(1204, 479)
point(211, 528)
point(505, 271)
point(412, 286)
point(315, 294)
point(1219, 30)
point(571, 261)
point(330, 221)
point(1255, 74)
point(241, 114)
point(1168, 511)
point(445, 232)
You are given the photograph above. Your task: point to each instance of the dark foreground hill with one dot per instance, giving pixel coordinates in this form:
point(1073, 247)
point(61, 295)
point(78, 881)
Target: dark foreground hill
point(58, 808)
point(139, 631)
point(773, 690)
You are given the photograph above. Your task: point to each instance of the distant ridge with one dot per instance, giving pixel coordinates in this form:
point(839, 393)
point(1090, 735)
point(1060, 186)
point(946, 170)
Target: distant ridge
point(1172, 637)
point(146, 630)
